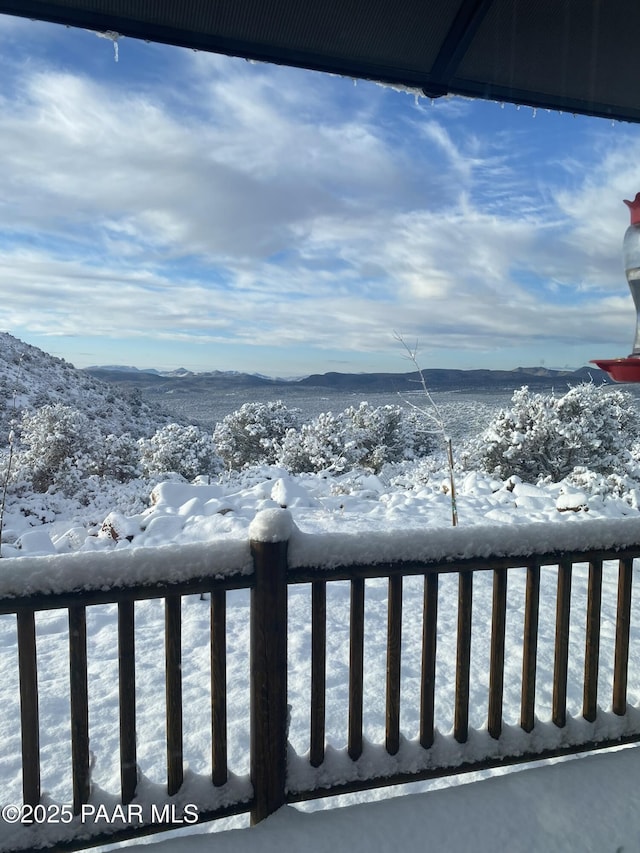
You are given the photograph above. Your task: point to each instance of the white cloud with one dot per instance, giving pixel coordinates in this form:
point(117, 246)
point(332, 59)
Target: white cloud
point(266, 206)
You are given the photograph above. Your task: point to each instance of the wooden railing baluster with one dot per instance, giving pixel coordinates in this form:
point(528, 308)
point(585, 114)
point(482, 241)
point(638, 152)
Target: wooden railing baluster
point(496, 662)
point(29, 721)
point(429, 645)
point(218, 620)
point(78, 688)
point(173, 660)
point(463, 656)
point(561, 653)
point(127, 692)
point(356, 668)
point(592, 650)
point(530, 647)
point(623, 625)
point(394, 646)
point(318, 671)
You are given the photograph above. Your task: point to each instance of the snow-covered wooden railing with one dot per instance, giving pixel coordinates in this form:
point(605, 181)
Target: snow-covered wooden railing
point(277, 557)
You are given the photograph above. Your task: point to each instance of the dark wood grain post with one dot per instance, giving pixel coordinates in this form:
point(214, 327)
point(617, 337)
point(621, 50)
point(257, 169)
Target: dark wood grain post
point(592, 643)
point(561, 655)
point(218, 612)
point(463, 656)
point(318, 671)
point(28, 667)
point(394, 648)
point(173, 690)
point(496, 657)
point(127, 701)
point(356, 668)
point(530, 647)
point(79, 706)
point(429, 647)
point(623, 626)
point(268, 678)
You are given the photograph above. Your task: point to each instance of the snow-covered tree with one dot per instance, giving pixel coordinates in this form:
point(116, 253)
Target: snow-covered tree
point(544, 435)
point(253, 434)
point(184, 450)
point(386, 434)
point(361, 436)
point(116, 457)
point(54, 439)
point(317, 446)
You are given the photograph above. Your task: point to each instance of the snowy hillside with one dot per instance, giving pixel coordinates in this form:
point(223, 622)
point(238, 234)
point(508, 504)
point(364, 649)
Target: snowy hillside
point(31, 378)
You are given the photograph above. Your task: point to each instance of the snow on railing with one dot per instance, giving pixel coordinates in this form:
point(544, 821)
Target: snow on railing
point(83, 572)
point(125, 567)
point(329, 550)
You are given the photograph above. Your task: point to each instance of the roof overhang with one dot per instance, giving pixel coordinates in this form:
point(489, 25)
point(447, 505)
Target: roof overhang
point(578, 56)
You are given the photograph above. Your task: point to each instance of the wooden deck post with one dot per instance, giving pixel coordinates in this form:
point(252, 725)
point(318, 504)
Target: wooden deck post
point(394, 648)
point(356, 669)
point(530, 647)
point(561, 656)
point(28, 667)
point(127, 702)
point(268, 678)
point(318, 670)
point(496, 658)
point(592, 645)
point(218, 619)
point(79, 706)
point(173, 690)
point(429, 646)
point(623, 627)
point(463, 656)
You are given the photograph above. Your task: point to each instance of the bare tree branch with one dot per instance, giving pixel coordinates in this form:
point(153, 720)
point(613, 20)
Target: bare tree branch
point(433, 414)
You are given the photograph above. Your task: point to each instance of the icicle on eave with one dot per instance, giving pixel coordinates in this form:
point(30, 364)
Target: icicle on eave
point(113, 37)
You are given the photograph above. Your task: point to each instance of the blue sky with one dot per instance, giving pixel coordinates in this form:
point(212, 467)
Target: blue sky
point(185, 209)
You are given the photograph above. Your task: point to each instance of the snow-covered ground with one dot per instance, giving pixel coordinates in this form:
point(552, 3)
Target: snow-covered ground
point(584, 805)
point(404, 496)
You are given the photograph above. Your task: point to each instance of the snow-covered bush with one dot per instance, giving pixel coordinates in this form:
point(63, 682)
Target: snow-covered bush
point(361, 436)
point(184, 450)
point(54, 439)
point(543, 435)
point(387, 434)
point(317, 446)
point(253, 434)
point(116, 457)
point(63, 448)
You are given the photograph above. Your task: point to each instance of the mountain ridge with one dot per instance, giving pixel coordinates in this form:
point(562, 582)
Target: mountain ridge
point(436, 379)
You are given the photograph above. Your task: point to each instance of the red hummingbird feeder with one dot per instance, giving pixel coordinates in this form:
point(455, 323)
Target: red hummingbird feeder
point(628, 369)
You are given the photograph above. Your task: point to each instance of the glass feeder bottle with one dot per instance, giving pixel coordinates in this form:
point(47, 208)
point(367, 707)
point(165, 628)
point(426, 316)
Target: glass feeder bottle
point(631, 254)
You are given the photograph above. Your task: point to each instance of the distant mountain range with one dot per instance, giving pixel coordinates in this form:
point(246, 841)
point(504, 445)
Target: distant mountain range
point(184, 381)
point(144, 400)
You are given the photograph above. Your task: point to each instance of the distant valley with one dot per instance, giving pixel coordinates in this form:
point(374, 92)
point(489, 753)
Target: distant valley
point(183, 381)
point(125, 399)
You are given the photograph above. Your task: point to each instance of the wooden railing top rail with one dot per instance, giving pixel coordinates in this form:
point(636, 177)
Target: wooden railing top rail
point(305, 574)
point(309, 574)
point(455, 546)
point(98, 577)
point(114, 595)
point(141, 573)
